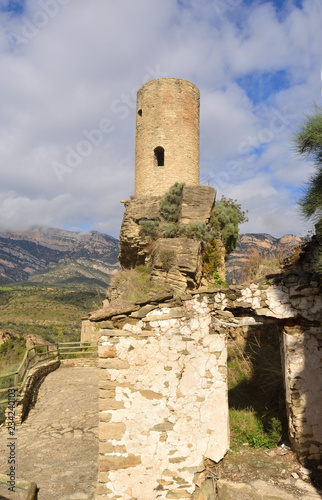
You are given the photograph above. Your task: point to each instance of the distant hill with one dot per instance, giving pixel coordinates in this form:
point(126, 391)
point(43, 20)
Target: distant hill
point(251, 245)
point(53, 256)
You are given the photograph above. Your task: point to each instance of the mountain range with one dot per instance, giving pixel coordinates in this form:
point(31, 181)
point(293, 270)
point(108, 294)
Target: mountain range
point(49, 256)
point(44, 255)
point(260, 253)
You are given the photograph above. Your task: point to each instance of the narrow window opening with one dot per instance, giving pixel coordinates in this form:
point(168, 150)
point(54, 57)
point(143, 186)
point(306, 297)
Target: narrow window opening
point(159, 157)
point(140, 112)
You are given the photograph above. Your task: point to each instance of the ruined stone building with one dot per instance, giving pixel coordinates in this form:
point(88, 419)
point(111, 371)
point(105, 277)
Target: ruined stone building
point(163, 380)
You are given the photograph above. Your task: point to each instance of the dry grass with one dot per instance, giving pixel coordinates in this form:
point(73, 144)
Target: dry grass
point(259, 264)
point(132, 285)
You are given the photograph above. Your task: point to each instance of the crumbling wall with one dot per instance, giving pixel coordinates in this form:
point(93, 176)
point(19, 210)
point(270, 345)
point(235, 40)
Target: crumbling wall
point(294, 301)
point(163, 402)
point(163, 379)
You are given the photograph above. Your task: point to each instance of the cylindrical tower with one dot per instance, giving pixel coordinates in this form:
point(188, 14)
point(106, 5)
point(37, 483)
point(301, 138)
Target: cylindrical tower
point(167, 136)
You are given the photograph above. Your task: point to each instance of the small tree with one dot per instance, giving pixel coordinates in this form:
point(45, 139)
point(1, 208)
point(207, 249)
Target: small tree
point(167, 258)
point(225, 219)
point(308, 142)
point(170, 203)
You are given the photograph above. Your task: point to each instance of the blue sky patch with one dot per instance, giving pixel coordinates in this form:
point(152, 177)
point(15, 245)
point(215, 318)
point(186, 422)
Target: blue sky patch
point(259, 87)
point(14, 6)
point(278, 4)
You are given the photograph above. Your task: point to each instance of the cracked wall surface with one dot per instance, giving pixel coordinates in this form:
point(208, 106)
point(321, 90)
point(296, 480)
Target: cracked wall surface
point(163, 387)
point(163, 403)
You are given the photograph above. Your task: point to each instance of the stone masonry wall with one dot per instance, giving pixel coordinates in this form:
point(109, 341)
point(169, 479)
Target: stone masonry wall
point(163, 373)
point(163, 402)
point(295, 302)
point(167, 117)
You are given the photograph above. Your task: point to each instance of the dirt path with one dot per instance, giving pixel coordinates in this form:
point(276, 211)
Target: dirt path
point(57, 446)
point(275, 470)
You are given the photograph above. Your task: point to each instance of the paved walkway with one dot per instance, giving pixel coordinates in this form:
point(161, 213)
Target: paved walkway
point(57, 446)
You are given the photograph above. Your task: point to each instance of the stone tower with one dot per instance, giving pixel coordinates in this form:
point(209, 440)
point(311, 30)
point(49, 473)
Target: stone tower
point(167, 136)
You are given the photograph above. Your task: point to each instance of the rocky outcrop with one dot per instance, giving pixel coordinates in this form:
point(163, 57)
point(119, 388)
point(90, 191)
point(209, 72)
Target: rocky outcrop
point(183, 270)
point(133, 248)
point(196, 204)
point(178, 263)
point(6, 336)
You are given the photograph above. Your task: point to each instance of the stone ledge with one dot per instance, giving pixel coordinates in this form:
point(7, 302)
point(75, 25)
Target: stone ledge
point(115, 462)
point(125, 333)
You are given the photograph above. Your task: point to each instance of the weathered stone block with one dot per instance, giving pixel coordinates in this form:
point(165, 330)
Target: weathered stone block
point(113, 364)
point(110, 448)
point(178, 494)
point(186, 266)
point(111, 430)
point(107, 351)
point(114, 462)
point(197, 203)
point(207, 491)
point(106, 324)
point(110, 404)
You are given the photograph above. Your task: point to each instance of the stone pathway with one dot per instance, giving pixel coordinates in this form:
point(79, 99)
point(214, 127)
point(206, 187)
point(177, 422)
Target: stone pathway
point(57, 446)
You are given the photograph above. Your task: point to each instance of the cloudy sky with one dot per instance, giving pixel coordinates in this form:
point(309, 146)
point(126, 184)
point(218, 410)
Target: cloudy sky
point(70, 70)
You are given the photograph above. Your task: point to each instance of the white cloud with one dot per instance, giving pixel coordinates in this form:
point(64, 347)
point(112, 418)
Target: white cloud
point(73, 71)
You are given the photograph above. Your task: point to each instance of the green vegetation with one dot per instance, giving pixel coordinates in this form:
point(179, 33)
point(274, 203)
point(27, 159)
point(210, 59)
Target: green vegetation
point(247, 427)
point(50, 312)
point(148, 229)
point(196, 231)
point(308, 142)
point(225, 219)
point(256, 394)
point(219, 236)
point(167, 258)
point(170, 203)
point(11, 353)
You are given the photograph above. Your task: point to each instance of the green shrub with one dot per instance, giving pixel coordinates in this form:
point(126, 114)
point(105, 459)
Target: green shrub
point(225, 219)
point(167, 258)
point(169, 230)
point(195, 230)
point(170, 203)
point(148, 229)
point(143, 270)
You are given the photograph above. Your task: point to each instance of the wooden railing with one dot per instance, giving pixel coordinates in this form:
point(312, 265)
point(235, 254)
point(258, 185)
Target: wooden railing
point(33, 356)
point(17, 380)
point(39, 354)
point(28, 487)
point(69, 350)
